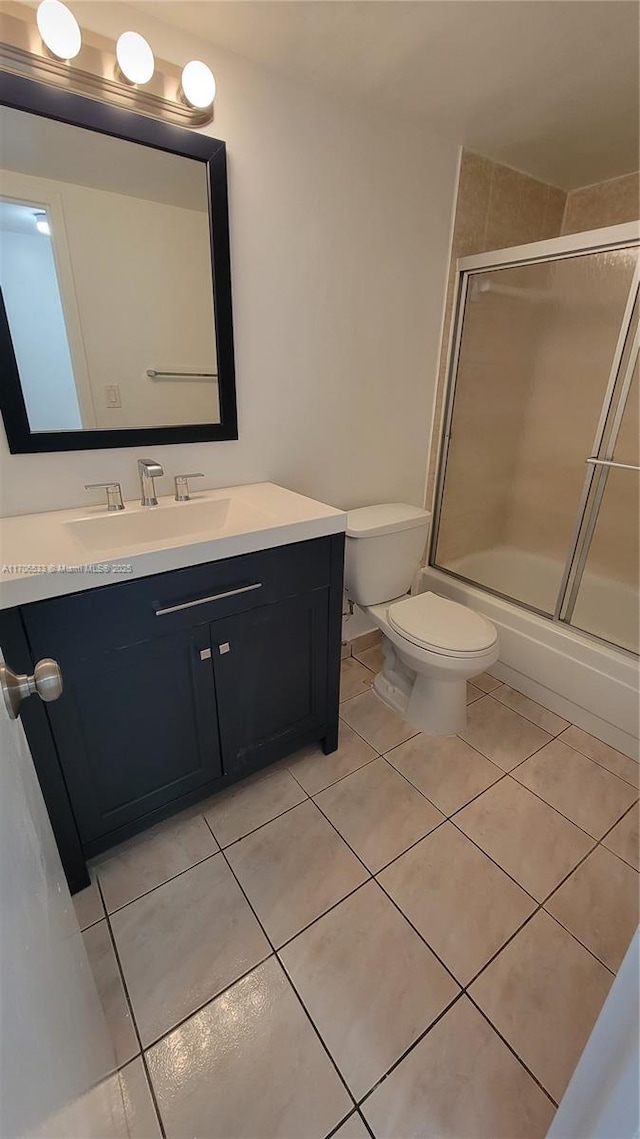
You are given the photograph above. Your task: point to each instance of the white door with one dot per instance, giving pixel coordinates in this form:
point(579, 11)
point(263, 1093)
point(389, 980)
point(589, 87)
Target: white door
point(602, 1100)
point(54, 1041)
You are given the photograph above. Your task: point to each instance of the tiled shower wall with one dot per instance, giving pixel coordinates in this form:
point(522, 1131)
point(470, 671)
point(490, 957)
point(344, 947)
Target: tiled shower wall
point(606, 203)
point(498, 207)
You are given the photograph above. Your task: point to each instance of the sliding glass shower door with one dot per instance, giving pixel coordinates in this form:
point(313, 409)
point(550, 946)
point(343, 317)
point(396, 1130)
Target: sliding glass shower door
point(541, 352)
point(604, 598)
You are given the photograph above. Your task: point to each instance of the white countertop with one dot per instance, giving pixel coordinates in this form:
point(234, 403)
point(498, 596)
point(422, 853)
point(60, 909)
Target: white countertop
point(44, 555)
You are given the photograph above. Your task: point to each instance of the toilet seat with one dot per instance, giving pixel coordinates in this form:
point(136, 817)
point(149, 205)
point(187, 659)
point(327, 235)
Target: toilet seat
point(441, 626)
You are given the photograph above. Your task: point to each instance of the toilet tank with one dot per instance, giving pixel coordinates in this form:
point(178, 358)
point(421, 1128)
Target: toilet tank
point(384, 545)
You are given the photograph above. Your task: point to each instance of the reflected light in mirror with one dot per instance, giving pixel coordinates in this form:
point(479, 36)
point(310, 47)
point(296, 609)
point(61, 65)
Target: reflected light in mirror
point(42, 223)
point(59, 29)
point(135, 58)
point(198, 84)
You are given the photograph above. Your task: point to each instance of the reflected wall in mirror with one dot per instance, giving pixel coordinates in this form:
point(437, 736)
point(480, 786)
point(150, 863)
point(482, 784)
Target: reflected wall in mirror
point(111, 313)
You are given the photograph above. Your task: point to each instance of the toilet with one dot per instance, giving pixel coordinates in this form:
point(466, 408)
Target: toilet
point(432, 646)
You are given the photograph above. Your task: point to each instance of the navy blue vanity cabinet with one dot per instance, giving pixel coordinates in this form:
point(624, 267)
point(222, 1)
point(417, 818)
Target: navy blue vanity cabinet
point(177, 684)
point(270, 669)
point(136, 728)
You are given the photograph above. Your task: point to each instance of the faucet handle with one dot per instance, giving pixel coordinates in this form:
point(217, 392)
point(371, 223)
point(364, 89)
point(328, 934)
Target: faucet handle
point(114, 493)
point(182, 485)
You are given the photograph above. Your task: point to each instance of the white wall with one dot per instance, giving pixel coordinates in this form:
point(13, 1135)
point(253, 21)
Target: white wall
point(340, 229)
point(127, 254)
point(34, 311)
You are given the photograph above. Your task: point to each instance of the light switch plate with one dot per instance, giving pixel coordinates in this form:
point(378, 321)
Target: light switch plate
point(112, 393)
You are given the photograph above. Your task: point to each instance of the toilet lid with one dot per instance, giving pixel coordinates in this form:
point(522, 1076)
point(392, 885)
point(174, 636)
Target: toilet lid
point(442, 626)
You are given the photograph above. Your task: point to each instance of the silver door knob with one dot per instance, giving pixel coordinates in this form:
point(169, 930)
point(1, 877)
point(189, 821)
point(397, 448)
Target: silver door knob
point(46, 682)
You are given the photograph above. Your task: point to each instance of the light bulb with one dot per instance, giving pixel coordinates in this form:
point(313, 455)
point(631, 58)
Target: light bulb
point(198, 84)
point(59, 29)
point(135, 57)
point(42, 223)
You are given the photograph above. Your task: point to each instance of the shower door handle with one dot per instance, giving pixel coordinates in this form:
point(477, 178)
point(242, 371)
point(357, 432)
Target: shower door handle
point(609, 463)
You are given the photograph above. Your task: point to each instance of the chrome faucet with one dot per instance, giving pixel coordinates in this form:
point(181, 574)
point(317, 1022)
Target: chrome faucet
point(148, 470)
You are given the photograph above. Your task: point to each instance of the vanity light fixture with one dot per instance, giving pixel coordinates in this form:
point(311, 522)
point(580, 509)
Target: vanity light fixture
point(42, 223)
point(135, 58)
point(59, 29)
point(124, 73)
point(198, 86)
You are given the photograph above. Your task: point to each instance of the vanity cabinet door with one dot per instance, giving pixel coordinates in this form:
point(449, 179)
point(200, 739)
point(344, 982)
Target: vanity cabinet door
point(136, 728)
point(270, 669)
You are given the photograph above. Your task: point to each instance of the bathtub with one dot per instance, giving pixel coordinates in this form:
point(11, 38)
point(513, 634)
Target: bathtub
point(594, 685)
point(606, 608)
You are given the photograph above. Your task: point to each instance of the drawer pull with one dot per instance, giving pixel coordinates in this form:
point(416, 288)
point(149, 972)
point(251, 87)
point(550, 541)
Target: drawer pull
point(206, 600)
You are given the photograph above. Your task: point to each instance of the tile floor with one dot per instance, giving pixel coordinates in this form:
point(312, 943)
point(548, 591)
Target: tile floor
point(410, 937)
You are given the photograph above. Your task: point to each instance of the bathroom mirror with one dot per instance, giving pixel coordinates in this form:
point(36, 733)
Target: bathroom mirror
point(115, 289)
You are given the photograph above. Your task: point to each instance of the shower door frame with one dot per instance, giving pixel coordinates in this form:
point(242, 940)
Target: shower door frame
point(616, 391)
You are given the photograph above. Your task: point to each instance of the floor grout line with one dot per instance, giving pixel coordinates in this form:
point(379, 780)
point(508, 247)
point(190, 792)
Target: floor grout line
point(183, 1020)
point(463, 988)
point(463, 991)
point(371, 745)
point(468, 803)
point(366, 1124)
point(419, 934)
point(312, 794)
point(576, 938)
point(541, 905)
point(396, 857)
point(431, 801)
point(200, 861)
point(593, 762)
point(283, 967)
point(512, 1050)
point(274, 950)
point(345, 1119)
point(373, 876)
point(152, 1091)
point(265, 823)
point(500, 867)
point(317, 1032)
point(171, 878)
point(324, 913)
point(602, 766)
point(504, 774)
point(446, 818)
point(411, 1047)
point(593, 838)
point(612, 828)
point(456, 737)
point(567, 723)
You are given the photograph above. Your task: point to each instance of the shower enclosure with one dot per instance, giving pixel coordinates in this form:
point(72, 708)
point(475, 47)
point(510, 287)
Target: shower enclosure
point(538, 492)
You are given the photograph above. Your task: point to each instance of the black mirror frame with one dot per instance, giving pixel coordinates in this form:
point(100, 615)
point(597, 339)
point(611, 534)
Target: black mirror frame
point(50, 102)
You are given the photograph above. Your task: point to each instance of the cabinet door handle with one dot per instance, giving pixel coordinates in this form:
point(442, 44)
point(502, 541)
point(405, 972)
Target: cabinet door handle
point(206, 600)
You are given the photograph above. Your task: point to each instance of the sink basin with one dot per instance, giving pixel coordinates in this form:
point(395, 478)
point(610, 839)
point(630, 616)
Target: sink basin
point(64, 551)
point(174, 523)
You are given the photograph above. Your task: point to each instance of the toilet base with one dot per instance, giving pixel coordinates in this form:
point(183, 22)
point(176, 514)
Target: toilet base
point(432, 706)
